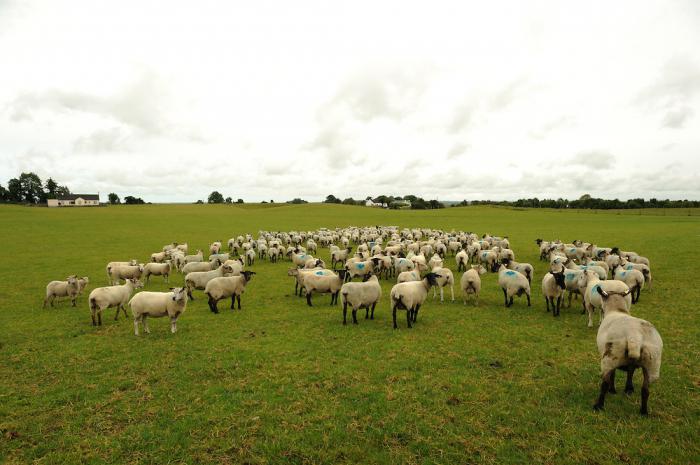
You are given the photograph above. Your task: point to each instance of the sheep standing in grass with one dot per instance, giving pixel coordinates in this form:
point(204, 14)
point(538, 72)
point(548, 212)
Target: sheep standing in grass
point(224, 287)
point(159, 257)
point(215, 247)
point(462, 258)
point(200, 266)
point(402, 264)
point(124, 272)
point(198, 257)
point(525, 269)
point(68, 288)
point(471, 282)
point(111, 265)
point(553, 287)
point(406, 276)
point(102, 298)
point(446, 278)
point(645, 270)
point(626, 343)
point(360, 295)
point(250, 257)
point(157, 304)
point(589, 282)
point(634, 280)
point(513, 283)
point(157, 269)
point(410, 296)
point(489, 259)
point(321, 282)
point(360, 269)
point(199, 279)
point(300, 274)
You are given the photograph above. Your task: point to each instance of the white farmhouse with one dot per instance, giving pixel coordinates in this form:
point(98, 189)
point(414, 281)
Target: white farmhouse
point(75, 200)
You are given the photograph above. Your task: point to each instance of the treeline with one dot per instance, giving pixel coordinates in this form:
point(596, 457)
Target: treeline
point(416, 203)
point(28, 188)
point(588, 202)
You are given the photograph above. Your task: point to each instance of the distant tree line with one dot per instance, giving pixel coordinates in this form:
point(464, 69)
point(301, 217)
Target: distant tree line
point(417, 203)
point(217, 197)
point(588, 202)
point(29, 189)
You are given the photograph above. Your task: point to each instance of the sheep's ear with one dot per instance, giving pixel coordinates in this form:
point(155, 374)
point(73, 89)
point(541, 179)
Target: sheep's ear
point(626, 293)
point(602, 293)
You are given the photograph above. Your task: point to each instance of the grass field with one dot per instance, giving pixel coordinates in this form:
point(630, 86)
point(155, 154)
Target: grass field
point(279, 382)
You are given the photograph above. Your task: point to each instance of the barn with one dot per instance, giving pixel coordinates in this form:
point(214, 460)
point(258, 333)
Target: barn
point(75, 200)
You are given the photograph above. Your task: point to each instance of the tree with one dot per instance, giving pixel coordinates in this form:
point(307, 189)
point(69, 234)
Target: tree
point(241, 201)
point(30, 187)
point(215, 197)
point(297, 200)
point(114, 199)
point(62, 191)
point(131, 200)
point(229, 200)
point(4, 194)
point(351, 201)
point(332, 199)
point(199, 202)
point(50, 187)
point(14, 190)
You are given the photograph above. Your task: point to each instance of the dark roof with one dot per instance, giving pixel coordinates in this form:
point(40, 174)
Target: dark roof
point(82, 196)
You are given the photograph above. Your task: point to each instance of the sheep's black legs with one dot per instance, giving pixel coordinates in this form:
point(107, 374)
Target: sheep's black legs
point(212, 305)
point(394, 314)
point(354, 316)
point(233, 301)
point(345, 313)
point(189, 295)
point(645, 393)
point(308, 299)
point(558, 304)
point(93, 319)
point(510, 302)
point(528, 299)
point(409, 317)
point(99, 318)
point(604, 387)
point(415, 314)
point(505, 296)
point(366, 313)
point(629, 387)
point(611, 387)
point(373, 305)
point(546, 301)
point(238, 297)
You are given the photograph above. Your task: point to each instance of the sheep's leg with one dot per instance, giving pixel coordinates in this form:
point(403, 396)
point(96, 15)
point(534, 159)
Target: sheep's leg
point(546, 301)
point(354, 315)
point(296, 287)
point(434, 292)
point(590, 315)
point(644, 410)
point(308, 299)
point(528, 299)
point(213, 305)
point(233, 301)
point(409, 317)
point(629, 387)
point(367, 312)
point(373, 305)
point(394, 314)
point(452, 292)
point(238, 298)
point(93, 318)
point(611, 387)
point(511, 301)
point(173, 324)
point(604, 387)
point(570, 296)
point(505, 296)
point(124, 309)
point(144, 319)
point(639, 291)
point(136, 326)
point(415, 314)
point(345, 313)
point(559, 299)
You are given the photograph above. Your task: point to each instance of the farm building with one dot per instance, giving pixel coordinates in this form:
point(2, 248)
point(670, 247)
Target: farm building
point(75, 200)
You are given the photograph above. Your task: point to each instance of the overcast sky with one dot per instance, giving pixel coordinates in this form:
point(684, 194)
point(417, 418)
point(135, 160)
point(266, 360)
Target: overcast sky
point(275, 100)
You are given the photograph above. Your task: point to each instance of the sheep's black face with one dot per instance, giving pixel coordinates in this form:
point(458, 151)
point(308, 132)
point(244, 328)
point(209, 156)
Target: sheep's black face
point(559, 279)
point(495, 267)
point(248, 275)
point(366, 277)
point(432, 278)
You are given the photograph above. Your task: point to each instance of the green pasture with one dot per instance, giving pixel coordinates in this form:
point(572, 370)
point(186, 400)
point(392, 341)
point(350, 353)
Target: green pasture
point(279, 382)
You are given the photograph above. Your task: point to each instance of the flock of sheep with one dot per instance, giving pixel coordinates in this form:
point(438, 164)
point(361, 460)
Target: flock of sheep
point(415, 258)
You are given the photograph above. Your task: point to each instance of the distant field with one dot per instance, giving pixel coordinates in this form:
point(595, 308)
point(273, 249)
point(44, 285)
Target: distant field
point(279, 382)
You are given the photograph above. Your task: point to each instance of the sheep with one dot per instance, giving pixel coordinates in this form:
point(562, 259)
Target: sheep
point(489, 259)
point(634, 280)
point(340, 256)
point(67, 288)
point(169, 247)
point(570, 280)
point(300, 259)
point(462, 258)
point(102, 298)
point(111, 265)
point(262, 251)
point(178, 259)
point(525, 269)
point(231, 243)
point(639, 259)
point(200, 266)
point(199, 279)
point(124, 272)
point(471, 282)
point(361, 269)
point(383, 263)
point(250, 257)
point(82, 284)
point(312, 263)
point(198, 257)
point(236, 266)
point(159, 257)
point(589, 283)
point(214, 247)
point(300, 274)
point(184, 248)
point(445, 278)
point(506, 254)
point(646, 271)
point(590, 262)
point(231, 286)
point(406, 276)
point(402, 264)
point(157, 269)
point(321, 282)
point(513, 283)
point(274, 254)
point(435, 262)
point(220, 257)
point(626, 343)
point(410, 296)
point(157, 304)
point(553, 286)
point(358, 295)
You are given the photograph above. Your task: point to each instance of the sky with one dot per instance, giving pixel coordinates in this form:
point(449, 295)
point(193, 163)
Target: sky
point(169, 101)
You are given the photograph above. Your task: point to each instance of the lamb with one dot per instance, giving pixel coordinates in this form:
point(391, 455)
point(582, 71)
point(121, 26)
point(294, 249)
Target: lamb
point(513, 283)
point(200, 266)
point(471, 282)
point(410, 296)
point(589, 283)
point(639, 259)
point(224, 287)
point(406, 276)
point(634, 280)
point(250, 257)
point(184, 248)
point(553, 287)
point(646, 271)
point(320, 282)
point(445, 278)
point(525, 269)
point(214, 247)
point(340, 256)
point(157, 269)
point(462, 258)
point(157, 304)
point(199, 279)
point(198, 257)
point(159, 257)
point(124, 272)
point(358, 295)
point(82, 284)
point(102, 298)
point(626, 343)
point(111, 265)
point(67, 288)
point(274, 254)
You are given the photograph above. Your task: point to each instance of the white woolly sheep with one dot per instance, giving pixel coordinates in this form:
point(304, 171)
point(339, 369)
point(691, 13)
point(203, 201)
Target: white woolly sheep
point(525, 269)
point(318, 281)
point(157, 269)
point(589, 283)
point(435, 262)
point(157, 304)
point(634, 280)
point(159, 257)
point(219, 257)
point(214, 247)
point(646, 271)
point(198, 257)
point(102, 298)
point(410, 296)
point(200, 266)
point(360, 295)
point(360, 269)
point(250, 257)
point(405, 276)
point(68, 288)
point(446, 278)
point(340, 256)
point(471, 282)
point(199, 279)
point(626, 343)
point(224, 287)
point(111, 265)
point(489, 259)
point(125, 271)
point(553, 287)
point(513, 283)
point(299, 275)
point(462, 259)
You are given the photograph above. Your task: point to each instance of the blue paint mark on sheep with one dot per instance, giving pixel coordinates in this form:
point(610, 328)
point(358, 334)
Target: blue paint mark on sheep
point(484, 254)
point(594, 289)
point(319, 273)
point(510, 273)
point(623, 274)
point(360, 266)
point(629, 267)
point(569, 276)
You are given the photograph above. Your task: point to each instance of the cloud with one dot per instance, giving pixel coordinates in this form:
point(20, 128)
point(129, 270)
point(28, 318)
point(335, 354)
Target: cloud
point(462, 117)
point(566, 121)
point(456, 150)
point(594, 159)
point(677, 117)
point(103, 141)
